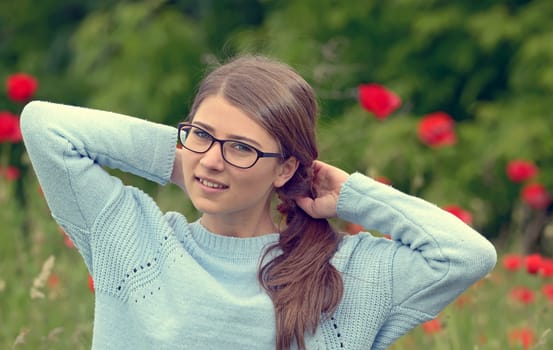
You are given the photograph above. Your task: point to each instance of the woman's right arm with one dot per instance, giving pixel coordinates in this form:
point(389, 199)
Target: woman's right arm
point(68, 147)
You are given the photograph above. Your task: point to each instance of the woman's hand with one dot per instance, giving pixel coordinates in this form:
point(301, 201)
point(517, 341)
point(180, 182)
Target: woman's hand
point(327, 181)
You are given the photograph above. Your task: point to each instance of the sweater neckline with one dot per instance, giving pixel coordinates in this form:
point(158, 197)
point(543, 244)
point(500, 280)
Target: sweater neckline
point(235, 247)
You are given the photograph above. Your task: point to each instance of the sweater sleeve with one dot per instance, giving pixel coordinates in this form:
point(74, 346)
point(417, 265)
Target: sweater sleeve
point(436, 256)
point(69, 146)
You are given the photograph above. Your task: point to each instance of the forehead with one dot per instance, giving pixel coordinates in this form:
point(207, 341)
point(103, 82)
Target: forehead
point(228, 121)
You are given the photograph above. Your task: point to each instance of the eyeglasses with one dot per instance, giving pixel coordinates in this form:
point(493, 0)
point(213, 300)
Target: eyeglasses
point(236, 153)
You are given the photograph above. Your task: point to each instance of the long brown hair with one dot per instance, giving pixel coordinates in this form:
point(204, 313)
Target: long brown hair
point(302, 283)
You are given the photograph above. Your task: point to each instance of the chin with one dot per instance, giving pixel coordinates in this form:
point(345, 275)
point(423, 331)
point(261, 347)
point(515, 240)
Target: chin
point(206, 208)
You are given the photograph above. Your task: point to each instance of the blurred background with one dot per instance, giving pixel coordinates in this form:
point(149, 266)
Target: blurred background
point(447, 100)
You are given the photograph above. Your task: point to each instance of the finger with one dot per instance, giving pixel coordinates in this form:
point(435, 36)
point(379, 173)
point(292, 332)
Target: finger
point(306, 204)
point(317, 166)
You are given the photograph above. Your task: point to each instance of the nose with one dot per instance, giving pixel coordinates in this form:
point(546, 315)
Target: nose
point(213, 158)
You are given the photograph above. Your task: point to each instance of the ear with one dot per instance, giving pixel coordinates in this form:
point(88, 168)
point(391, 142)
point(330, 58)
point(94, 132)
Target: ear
point(285, 171)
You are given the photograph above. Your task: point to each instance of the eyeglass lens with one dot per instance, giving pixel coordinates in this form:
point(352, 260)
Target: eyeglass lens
point(234, 152)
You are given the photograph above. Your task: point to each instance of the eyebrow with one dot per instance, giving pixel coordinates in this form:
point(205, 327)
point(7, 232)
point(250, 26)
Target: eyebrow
point(230, 137)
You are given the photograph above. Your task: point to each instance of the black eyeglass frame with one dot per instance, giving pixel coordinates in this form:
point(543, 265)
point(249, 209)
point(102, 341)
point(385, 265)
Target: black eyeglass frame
point(260, 154)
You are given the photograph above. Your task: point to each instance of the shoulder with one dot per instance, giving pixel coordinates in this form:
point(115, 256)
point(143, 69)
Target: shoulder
point(133, 235)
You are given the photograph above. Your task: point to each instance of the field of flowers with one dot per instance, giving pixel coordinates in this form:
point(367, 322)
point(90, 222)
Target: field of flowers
point(512, 308)
point(46, 294)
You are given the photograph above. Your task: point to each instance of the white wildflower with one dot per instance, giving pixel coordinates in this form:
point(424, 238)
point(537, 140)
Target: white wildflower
point(40, 281)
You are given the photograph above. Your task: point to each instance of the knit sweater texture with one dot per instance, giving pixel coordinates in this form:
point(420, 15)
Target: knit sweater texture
point(163, 282)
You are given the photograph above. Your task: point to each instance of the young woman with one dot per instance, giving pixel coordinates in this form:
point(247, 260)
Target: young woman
point(236, 279)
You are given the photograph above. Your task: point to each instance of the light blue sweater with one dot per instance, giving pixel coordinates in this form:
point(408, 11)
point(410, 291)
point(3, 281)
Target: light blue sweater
point(165, 283)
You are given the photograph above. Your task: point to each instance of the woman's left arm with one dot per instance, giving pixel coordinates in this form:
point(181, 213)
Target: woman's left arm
point(437, 256)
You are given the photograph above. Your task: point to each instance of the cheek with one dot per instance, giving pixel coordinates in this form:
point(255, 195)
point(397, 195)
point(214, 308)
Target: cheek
point(260, 181)
point(187, 168)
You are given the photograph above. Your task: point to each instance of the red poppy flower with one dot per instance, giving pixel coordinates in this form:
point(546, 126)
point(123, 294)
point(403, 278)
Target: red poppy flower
point(547, 290)
point(353, 229)
point(90, 283)
point(546, 269)
point(482, 339)
point(383, 179)
point(378, 100)
point(533, 263)
point(437, 130)
point(21, 87)
point(522, 294)
point(522, 336)
point(461, 213)
point(68, 242)
point(9, 127)
point(520, 170)
point(10, 173)
point(53, 281)
point(512, 262)
point(462, 300)
point(536, 196)
point(432, 326)
point(66, 239)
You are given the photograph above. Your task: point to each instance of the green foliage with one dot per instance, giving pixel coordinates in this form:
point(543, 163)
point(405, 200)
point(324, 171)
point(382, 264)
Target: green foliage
point(140, 58)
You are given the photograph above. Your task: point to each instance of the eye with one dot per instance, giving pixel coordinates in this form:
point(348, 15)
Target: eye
point(241, 147)
point(201, 134)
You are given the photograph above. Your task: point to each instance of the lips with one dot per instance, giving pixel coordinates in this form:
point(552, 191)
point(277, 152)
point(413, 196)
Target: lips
point(211, 184)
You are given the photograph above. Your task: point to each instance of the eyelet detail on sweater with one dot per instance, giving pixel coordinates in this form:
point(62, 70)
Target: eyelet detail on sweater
point(337, 331)
point(151, 293)
point(163, 240)
point(135, 270)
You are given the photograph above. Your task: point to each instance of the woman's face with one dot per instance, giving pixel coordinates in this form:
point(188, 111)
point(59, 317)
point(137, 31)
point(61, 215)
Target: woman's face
point(220, 190)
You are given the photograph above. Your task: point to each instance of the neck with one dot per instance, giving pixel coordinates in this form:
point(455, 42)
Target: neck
point(240, 226)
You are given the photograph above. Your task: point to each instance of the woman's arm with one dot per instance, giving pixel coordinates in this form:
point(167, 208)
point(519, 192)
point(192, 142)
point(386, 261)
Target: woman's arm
point(69, 145)
point(437, 255)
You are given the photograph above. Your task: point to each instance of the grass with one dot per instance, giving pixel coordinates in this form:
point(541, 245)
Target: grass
point(484, 317)
point(62, 319)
